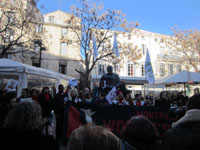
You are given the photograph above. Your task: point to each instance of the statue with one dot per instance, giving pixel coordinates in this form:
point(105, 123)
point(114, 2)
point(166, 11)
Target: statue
point(109, 80)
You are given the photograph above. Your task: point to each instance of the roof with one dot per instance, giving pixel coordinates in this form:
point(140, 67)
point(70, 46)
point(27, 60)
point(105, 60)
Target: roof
point(10, 66)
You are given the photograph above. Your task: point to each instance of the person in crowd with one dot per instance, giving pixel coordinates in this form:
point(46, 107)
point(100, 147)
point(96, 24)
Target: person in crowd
point(128, 97)
point(138, 100)
point(23, 129)
point(101, 99)
point(73, 96)
point(25, 95)
point(180, 100)
point(95, 92)
point(148, 101)
point(93, 137)
point(140, 133)
point(120, 98)
point(122, 87)
point(196, 91)
point(164, 101)
point(109, 80)
point(59, 107)
point(46, 102)
point(7, 102)
point(67, 90)
point(81, 95)
point(87, 96)
point(34, 94)
point(185, 132)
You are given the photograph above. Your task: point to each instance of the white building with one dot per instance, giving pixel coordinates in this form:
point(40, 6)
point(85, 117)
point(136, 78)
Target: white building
point(133, 72)
point(62, 53)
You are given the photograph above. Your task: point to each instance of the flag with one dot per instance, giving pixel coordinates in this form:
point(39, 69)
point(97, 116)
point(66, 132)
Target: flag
point(73, 118)
point(95, 51)
point(148, 69)
point(111, 95)
point(115, 47)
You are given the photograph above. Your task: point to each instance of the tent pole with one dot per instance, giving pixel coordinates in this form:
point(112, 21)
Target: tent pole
point(184, 88)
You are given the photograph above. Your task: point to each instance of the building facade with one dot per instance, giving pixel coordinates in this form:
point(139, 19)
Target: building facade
point(62, 53)
point(133, 71)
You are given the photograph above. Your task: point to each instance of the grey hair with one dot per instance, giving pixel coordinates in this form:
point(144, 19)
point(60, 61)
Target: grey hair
point(95, 137)
point(26, 115)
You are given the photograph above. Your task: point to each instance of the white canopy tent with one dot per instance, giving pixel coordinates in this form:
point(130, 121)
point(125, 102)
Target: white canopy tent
point(178, 78)
point(181, 77)
point(10, 67)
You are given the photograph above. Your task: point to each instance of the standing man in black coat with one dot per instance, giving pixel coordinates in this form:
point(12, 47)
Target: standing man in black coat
point(59, 106)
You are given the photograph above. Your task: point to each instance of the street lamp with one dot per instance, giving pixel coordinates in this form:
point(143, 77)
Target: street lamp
point(41, 48)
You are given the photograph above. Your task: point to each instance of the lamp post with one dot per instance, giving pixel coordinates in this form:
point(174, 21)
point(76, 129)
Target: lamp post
point(41, 48)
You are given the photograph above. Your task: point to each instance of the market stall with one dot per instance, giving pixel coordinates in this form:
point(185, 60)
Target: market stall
point(29, 76)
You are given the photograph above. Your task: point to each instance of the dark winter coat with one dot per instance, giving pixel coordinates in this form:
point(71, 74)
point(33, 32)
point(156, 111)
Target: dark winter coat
point(59, 105)
point(185, 133)
point(26, 140)
point(47, 106)
point(127, 146)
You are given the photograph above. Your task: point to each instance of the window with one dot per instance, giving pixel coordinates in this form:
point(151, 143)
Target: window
point(116, 68)
point(131, 69)
point(155, 39)
point(129, 36)
point(101, 69)
point(38, 28)
point(178, 68)
point(64, 32)
point(143, 49)
point(170, 69)
point(142, 71)
point(36, 64)
point(63, 67)
point(162, 70)
point(143, 38)
point(63, 49)
point(162, 48)
point(187, 68)
point(51, 19)
point(37, 45)
point(12, 2)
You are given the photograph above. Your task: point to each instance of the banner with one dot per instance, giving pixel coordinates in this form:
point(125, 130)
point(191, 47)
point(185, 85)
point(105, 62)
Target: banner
point(111, 95)
point(148, 69)
point(115, 46)
point(11, 85)
point(114, 116)
point(95, 51)
point(73, 83)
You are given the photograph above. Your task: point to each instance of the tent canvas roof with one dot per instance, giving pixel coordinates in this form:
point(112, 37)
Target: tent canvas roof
point(180, 77)
point(7, 65)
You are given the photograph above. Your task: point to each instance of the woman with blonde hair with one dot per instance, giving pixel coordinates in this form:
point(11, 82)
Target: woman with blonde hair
point(73, 96)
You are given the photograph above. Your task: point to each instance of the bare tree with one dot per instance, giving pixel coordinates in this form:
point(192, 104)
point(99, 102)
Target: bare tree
point(18, 20)
point(91, 19)
point(185, 47)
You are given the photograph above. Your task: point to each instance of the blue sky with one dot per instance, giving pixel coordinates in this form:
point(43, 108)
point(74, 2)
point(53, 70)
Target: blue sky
point(153, 15)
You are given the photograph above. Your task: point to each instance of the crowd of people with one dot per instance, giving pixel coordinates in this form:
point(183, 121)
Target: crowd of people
point(26, 121)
